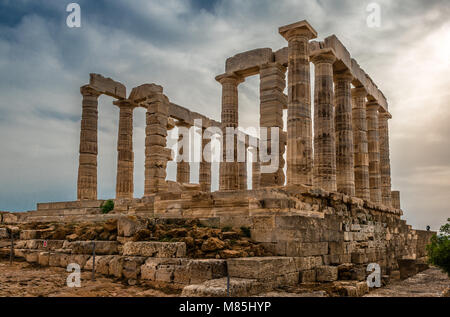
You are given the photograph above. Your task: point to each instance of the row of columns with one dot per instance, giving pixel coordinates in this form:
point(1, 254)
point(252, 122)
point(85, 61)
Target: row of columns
point(156, 153)
point(351, 138)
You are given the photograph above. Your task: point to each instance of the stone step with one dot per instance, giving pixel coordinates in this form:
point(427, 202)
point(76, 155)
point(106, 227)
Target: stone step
point(239, 287)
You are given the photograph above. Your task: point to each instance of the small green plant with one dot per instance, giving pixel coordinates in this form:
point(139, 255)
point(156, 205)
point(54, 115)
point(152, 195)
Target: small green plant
point(107, 206)
point(439, 249)
point(226, 229)
point(246, 231)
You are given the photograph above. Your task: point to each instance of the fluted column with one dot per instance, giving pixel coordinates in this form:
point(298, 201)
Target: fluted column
point(183, 166)
point(395, 194)
point(324, 133)
point(125, 154)
point(229, 170)
point(87, 168)
point(256, 169)
point(360, 143)
point(272, 102)
point(345, 175)
point(205, 164)
point(243, 172)
point(374, 151)
point(385, 162)
point(299, 125)
point(156, 153)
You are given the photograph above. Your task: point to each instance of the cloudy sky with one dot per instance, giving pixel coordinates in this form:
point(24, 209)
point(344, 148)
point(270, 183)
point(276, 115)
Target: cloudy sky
point(182, 45)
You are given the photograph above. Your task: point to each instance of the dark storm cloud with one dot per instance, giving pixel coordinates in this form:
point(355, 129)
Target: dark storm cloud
point(183, 45)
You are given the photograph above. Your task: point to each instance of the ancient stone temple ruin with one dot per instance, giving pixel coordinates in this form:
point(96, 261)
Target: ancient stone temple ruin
point(331, 214)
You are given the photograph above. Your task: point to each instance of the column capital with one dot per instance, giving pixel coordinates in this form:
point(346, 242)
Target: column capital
point(344, 75)
point(125, 103)
point(230, 78)
point(384, 115)
point(324, 55)
point(87, 90)
point(184, 124)
point(281, 67)
point(301, 29)
point(373, 105)
point(359, 92)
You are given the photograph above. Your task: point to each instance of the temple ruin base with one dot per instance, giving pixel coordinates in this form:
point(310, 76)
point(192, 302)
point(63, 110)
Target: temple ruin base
point(311, 235)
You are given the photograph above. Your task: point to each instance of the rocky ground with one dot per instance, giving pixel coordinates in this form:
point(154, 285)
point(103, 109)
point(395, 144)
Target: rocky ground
point(25, 280)
point(429, 283)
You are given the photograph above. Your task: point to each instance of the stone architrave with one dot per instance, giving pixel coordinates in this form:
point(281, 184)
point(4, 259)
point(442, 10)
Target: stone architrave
point(299, 123)
point(360, 143)
point(125, 154)
point(87, 169)
point(374, 151)
point(324, 133)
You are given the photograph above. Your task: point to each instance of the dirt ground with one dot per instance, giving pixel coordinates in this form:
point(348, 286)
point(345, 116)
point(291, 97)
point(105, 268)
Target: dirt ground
point(26, 280)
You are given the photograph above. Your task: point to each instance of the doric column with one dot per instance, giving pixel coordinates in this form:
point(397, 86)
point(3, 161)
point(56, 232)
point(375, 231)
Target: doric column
point(256, 169)
point(205, 164)
point(385, 162)
point(156, 153)
point(272, 102)
point(87, 168)
point(183, 167)
point(324, 134)
point(229, 170)
point(395, 194)
point(242, 171)
point(374, 151)
point(345, 174)
point(360, 143)
point(299, 125)
point(125, 154)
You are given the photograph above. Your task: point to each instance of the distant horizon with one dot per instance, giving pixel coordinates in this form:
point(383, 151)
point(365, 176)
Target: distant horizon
point(183, 45)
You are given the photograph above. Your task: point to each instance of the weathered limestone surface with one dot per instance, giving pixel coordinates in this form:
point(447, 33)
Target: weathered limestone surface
point(205, 165)
point(324, 132)
point(125, 154)
point(385, 162)
point(360, 143)
point(183, 167)
point(229, 178)
point(374, 152)
point(246, 63)
point(299, 125)
point(395, 195)
point(256, 169)
point(272, 102)
point(87, 170)
point(344, 134)
point(107, 86)
point(156, 153)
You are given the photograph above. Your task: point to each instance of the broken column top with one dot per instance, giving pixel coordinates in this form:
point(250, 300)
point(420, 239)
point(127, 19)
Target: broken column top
point(142, 92)
point(301, 27)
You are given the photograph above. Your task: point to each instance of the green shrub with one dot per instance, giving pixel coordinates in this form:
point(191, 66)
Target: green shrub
point(226, 229)
point(439, 249)
point(107, 206)
point(246, 231)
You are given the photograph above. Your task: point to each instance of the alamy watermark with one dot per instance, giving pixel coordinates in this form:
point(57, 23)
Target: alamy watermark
point(74, 18)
